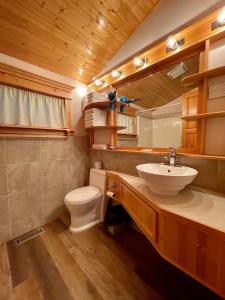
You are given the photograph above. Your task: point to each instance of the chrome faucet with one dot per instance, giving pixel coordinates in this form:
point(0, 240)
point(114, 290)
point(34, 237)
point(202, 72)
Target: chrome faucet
point(172, 156)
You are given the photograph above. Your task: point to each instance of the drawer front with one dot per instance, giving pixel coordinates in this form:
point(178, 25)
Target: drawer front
point(143, 214)
point(113, 185)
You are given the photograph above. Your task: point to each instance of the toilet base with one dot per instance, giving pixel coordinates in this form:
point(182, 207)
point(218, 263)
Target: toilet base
point(82, 228)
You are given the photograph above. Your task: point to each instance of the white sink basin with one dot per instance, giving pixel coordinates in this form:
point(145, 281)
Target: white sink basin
point(166, 180)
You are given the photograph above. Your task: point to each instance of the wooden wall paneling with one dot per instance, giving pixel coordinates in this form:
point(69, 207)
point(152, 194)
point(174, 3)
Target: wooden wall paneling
point(65, 36)
point(68, 110)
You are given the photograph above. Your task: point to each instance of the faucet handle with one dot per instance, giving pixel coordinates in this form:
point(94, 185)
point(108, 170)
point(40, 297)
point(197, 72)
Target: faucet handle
point(172, 151)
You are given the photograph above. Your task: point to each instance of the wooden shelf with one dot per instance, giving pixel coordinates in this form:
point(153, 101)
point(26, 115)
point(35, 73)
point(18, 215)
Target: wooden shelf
point(106, 127)
point(201, 75)
point(101, 105)
point(204, 115)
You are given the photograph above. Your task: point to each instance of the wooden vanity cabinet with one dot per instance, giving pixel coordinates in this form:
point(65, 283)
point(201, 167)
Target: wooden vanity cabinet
point(199, 253)
point(195, 249)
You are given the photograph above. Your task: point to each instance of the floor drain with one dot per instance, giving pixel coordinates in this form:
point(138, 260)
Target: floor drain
point(28, 236)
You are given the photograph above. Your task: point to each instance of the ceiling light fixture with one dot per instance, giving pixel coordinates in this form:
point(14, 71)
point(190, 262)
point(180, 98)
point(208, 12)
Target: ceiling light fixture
point(221, 18)
point(99, 82)
point(139, 62)
point(174, 44)
point(81, 71)
point(220, 21)
point(100, 21)
point(116, 74)
point(82, 90)
point(89, 51)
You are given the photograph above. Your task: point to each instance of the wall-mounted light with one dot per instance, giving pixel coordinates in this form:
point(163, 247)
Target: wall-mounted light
point(139, 62)
point(99, 82)
point(82, 90)
point(220, 21)
point(116, 74)
point(173, 43)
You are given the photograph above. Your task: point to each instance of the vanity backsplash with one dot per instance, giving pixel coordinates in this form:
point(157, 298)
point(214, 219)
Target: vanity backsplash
point(211, 172)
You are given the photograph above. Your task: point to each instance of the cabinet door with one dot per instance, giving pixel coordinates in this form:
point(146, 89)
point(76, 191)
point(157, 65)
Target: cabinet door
point(189, 128)
point(199, 254)
point(142, 214)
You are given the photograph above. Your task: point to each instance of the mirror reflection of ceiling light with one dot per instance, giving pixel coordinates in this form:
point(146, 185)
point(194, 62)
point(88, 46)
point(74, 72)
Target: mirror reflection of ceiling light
point(99, 82)
point(82, 90)
point(139, 62)
point(116, 74)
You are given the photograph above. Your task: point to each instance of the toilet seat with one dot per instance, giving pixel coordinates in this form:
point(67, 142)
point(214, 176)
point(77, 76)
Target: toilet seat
point(82, 195)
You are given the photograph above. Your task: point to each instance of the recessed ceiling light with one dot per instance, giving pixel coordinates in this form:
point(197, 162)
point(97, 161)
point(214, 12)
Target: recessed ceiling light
point(221, 18)
point(172, 43)
point(99, 82)
point(139, 62)
point(81, 71)
point(100, 21)
point(89, 51)
point(116, 74)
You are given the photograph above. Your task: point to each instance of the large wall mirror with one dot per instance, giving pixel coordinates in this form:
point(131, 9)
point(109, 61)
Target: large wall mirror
point(163, 100)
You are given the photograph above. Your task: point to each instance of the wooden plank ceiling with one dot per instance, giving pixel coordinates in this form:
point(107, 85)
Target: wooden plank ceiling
point(65, 36)
point(158, 89)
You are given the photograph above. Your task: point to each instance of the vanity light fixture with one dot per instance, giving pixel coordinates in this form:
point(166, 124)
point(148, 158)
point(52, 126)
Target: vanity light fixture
point(139, 62)
point(99, 82)
point(116, 74)
point(220, 21)
point(173, 43)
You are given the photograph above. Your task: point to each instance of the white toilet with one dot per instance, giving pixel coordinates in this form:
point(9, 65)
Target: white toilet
point(87, 204)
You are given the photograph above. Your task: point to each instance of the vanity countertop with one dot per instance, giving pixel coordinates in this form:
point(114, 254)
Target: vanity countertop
point(197, 205)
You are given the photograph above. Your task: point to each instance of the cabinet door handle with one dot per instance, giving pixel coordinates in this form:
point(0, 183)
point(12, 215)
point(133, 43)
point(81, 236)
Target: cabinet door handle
point(198, 245)
point(114, 186)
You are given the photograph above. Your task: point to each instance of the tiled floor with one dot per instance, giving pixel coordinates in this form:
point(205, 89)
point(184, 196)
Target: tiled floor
point(91, 265)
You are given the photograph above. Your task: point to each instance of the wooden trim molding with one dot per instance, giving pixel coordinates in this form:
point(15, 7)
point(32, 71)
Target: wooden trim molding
point(194, 35)
point(13, 76)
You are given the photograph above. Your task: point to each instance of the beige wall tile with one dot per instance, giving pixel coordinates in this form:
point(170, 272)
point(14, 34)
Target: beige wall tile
point(26, 225)
point(5, 234)
point(54, 174)
point(54, 213)
point(54, 198)
point(75, 167)
point(24, 205)
point(53, 149)
point(24, 177)
point(77, 147)
point(19, 151)
point(2, 152)
point(3, 181)
point(4, 211)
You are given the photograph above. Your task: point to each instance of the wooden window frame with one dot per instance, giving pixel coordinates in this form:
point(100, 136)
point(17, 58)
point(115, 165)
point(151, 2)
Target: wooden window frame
point(12, 76)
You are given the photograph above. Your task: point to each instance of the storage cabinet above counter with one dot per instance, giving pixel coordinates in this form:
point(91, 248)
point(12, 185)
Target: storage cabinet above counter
point(188, 230)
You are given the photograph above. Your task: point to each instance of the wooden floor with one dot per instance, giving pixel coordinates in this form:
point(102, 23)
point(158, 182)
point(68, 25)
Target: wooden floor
point(91, 265)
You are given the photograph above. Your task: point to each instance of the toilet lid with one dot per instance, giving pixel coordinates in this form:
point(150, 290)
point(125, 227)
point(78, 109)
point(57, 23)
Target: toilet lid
point(82, 195)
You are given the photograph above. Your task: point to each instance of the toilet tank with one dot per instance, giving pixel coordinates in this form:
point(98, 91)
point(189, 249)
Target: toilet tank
point(98, 179)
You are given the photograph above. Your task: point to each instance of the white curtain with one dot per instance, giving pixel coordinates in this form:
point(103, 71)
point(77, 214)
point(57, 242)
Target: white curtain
point(127, 121)
point(20, 107)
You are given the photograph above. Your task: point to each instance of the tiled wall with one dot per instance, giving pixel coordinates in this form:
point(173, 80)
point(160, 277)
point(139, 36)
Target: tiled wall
point(35, 175)
point(211, 172)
